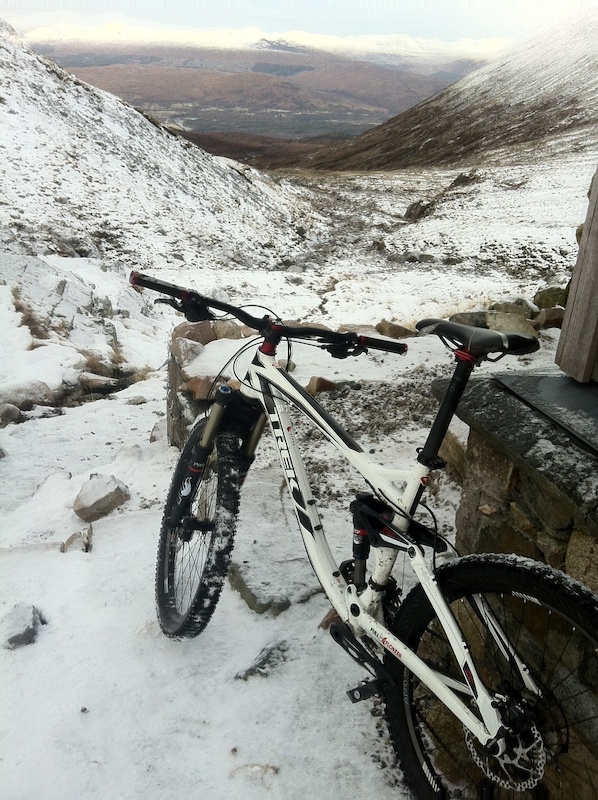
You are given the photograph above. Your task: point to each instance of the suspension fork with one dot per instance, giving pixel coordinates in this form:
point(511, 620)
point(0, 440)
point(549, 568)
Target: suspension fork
point(199, 455)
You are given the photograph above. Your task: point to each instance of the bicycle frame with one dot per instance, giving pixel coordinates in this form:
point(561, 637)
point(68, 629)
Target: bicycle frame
point(359, 606)
point(274, 388)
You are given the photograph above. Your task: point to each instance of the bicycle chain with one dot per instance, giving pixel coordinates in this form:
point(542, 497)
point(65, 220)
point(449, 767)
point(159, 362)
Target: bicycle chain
point(534, 755)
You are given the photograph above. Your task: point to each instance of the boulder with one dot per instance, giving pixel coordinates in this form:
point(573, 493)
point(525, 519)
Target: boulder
point(367, 330)
point(98, 384)
point(199, 386)
point(27, 395)
point(317, 385)
point(294, 323)
point(267, 660)
point(9, 413)
point(508, 323)
point(158, 433)
point(99, 496)
point(518, 305)
point(475, 318)
point(20, 626)
point(227, 329)
point(184, 351)
point(200, 332)
point(551, 296)
point(419, 209)
point(393, 330)
point(496, 321)
point(549, 318)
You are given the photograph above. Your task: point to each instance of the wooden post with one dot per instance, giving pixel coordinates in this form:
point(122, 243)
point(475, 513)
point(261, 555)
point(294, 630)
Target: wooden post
point(577, 352)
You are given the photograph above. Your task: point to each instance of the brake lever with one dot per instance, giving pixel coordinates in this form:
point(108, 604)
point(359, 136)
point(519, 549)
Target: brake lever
point(192, 311)
point(344, 350)
point(168, 301)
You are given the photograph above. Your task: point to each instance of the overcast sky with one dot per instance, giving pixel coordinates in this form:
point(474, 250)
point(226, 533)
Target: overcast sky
point(432, 19)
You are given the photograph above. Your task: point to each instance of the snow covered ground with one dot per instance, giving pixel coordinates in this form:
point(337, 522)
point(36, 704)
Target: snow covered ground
point(102, 705)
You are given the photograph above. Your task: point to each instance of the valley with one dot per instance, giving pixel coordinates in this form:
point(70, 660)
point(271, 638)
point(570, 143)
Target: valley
point(267, 89)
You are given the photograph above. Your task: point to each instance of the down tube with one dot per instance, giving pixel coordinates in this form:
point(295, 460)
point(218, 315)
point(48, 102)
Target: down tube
point(306, 511)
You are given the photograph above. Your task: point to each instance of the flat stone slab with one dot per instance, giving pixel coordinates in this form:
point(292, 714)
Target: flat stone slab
point(572, 405)
point(530, 438)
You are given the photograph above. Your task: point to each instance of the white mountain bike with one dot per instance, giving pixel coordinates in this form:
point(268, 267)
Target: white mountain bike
point(488, 667)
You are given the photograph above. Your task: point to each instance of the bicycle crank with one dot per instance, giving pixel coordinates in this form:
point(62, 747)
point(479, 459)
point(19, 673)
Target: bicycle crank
point(342, 634)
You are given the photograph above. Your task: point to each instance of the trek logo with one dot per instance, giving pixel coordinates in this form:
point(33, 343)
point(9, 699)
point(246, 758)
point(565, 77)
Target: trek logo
point(391, 648)
point(186, 488)
point(287, 465)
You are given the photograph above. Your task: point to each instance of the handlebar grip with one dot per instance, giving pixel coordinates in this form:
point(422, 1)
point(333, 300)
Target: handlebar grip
point(383, 344)
point(139, 279)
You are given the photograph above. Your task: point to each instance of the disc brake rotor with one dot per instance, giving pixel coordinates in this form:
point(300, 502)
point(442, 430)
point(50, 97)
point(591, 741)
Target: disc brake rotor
point(519, 768)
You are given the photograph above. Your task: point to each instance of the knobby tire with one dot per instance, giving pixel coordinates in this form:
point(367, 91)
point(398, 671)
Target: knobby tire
point(552, 621)
point(193, 557)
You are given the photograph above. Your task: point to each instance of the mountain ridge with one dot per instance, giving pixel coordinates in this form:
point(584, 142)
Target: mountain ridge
point(294, 85)
point(402, 46)
point(537, 91)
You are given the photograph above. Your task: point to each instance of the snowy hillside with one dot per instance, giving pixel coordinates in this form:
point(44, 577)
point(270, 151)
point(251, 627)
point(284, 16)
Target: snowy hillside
point(84, 174)
point(541, 92)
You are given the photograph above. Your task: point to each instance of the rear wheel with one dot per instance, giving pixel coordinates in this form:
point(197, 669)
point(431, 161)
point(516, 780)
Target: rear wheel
point(193, 556)
point(552, 622)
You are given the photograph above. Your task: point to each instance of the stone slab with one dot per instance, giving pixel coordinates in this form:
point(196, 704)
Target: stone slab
point(531, 439)
point(572, 405)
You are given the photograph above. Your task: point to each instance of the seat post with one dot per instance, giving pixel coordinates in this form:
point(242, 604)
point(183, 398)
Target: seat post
point(428, 455)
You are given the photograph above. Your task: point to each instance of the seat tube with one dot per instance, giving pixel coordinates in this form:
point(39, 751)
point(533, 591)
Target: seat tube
point(465, 364)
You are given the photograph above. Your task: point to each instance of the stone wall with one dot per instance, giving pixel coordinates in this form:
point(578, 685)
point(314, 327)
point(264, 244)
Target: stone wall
point(529, 487)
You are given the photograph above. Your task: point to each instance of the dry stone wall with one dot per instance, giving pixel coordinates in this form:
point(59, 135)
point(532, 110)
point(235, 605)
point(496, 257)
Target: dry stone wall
point(529, 488)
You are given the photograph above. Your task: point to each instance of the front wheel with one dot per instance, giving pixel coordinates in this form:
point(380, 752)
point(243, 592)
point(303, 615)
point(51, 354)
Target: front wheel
point(194, 555)
point(552, 623)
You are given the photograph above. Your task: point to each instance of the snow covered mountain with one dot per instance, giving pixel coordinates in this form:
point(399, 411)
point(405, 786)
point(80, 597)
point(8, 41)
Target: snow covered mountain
point(543, 91)
point(289, 85)
point(422, 54)
point(84, 174)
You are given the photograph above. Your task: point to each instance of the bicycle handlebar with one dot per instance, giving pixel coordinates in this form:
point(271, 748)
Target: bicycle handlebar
point(196, 307)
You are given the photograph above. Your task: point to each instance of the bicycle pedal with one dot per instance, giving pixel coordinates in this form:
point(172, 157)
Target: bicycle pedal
point(365, 690)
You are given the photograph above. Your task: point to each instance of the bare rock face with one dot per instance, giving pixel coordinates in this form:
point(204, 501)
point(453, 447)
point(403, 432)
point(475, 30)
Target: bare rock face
point(20, 626)
point(99, 496)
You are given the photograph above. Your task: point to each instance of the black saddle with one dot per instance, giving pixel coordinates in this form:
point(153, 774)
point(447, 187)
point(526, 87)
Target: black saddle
point(479, 342)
